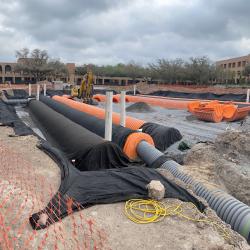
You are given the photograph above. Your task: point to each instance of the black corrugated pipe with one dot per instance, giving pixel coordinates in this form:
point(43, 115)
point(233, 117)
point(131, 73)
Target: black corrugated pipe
point(229, 209)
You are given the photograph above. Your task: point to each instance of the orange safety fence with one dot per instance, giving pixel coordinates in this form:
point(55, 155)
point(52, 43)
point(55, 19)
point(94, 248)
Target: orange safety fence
point(131, 122)
point(26, 187)
point(165, 103)
point(215, 111)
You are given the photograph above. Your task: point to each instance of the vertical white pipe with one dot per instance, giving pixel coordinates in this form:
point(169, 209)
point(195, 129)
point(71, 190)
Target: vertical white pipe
point(134, 89)
point(108, 115)
point(29, 89)
point(37, 91)
point(248, 95)
point(123, 109)
point(44, 89)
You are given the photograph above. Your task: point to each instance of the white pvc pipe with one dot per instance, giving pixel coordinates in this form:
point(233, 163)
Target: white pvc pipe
point(134, 89)
point(108, 115)
point(29, 89)
point(37, 92)
point(248, 95)
point(123, 109)
point(44, 89)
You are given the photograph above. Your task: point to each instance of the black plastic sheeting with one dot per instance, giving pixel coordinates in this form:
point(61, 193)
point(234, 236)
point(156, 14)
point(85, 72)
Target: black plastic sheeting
point(163, 136)
point(86, 189)
point(51, 92)
point(88, 150)
point(17, 94)
point(8, 117)
point(92, 123)
point(203, 96)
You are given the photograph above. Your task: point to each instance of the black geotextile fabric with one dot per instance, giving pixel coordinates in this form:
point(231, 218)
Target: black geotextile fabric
point(163, 136)
point(17, 94)
point(85, 189)
point(90, 151)
point(204, 96)
point(92, 123)
point(8, 117)
point(51, 92)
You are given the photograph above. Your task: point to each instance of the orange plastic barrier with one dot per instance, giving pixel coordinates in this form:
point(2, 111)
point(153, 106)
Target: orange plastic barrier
point(165, 103)
point(131, 122)
point(214, 111)
point(102, 98)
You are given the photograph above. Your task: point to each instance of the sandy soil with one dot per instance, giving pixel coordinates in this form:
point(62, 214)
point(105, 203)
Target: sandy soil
point(224, 163)
point(29, 178)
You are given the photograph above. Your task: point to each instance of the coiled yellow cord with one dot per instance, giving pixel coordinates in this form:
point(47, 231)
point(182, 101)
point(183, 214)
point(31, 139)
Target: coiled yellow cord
point(148, 211)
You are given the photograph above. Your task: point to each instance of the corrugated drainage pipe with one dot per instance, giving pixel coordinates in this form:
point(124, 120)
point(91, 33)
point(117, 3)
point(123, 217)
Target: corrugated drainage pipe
point(229, 209)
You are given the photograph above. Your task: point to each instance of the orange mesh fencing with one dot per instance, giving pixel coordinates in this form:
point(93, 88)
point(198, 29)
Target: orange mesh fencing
point(26, 188)
point(131, 122)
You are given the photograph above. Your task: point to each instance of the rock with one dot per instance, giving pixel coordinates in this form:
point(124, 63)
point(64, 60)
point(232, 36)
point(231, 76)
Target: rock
point(42, 219)
point(156, 190)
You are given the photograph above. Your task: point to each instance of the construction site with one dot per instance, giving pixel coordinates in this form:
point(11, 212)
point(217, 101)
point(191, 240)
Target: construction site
point(124, 167)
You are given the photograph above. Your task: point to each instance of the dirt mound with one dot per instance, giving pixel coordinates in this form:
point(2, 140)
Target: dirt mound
point(140, 107)
point(228, 161)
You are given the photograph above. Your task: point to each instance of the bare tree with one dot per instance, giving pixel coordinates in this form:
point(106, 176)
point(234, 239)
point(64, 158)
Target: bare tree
point(36, 64)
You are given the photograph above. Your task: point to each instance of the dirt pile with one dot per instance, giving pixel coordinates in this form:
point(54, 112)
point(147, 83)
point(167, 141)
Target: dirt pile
point(226, 161)
point(140, 107)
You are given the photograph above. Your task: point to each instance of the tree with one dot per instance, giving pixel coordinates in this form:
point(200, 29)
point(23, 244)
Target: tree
point(36, 64)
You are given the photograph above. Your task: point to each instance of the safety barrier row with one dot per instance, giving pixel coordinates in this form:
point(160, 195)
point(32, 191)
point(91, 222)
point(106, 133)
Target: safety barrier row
point(163, 136)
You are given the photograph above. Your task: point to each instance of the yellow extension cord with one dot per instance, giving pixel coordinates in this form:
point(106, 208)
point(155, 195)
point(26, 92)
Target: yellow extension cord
point(148, 211)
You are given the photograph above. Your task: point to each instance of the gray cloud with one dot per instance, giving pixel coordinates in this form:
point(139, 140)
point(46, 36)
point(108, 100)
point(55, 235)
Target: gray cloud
point(111, 31)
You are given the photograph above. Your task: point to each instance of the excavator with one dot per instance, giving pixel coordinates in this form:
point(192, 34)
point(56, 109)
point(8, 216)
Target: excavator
point(85, 90)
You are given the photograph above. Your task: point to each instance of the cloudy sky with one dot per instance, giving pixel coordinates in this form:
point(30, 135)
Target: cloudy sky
point(112, 31)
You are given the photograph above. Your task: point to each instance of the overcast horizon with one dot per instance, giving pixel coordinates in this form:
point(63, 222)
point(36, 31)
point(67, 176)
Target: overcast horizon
point(113, 31)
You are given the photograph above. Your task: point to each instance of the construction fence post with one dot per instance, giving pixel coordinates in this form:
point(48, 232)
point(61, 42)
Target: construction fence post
point(123, 109)
point(248, 95)
point(29, 89)
point(44, 89)
point(134, 89)
point(108, 115)
point(37, 92)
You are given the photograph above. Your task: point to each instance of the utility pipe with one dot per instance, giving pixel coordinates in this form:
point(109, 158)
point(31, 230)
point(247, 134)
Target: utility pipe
point(108, 115)
point(123, 109)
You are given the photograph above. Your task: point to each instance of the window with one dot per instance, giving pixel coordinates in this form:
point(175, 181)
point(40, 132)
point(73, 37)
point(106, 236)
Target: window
point(230, 65)
point(225, 66)
point(233, 65)
point(243, 63)
point(239, 64)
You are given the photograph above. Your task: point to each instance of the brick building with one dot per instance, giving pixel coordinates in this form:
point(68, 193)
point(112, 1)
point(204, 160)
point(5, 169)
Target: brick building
point(232, 69)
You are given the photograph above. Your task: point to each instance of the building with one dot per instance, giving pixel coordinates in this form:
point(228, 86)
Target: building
point(8, 75)
point(232, 69)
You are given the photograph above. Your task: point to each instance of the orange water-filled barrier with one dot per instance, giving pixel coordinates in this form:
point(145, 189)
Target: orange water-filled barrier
point(215, 111)
point(165, 103)
point(131, 122)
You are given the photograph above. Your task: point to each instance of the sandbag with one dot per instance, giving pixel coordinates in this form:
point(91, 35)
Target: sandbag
point(83, 189)
point(76, 142)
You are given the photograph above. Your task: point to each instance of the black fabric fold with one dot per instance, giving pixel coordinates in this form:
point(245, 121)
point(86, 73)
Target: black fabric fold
point(80, 190)
point(163, 136)
point(88, 150)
